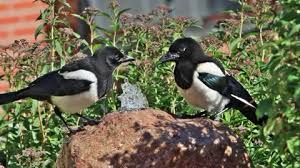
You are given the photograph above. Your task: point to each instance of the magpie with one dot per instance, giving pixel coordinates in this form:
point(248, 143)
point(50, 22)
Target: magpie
point(76, 85)
point(204, 83)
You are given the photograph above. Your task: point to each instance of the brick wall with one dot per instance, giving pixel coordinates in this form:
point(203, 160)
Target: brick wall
point(4, 86)
point(17, 20)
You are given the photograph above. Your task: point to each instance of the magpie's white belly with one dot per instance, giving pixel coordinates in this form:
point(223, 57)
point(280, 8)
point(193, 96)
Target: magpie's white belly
point(77, 102)
point(201, 96)
point(74, 103)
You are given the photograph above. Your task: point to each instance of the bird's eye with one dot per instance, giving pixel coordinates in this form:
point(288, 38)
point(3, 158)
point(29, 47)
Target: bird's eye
point(116, 57)
point(181, 50)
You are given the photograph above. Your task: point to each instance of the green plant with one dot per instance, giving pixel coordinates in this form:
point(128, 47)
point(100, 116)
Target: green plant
point(282, 101)
point(266, 61)
point(147, 38)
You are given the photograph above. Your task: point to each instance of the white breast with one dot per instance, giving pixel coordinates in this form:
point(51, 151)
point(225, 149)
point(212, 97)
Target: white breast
point(211, 68)
point(75, 103)
point(201, 96)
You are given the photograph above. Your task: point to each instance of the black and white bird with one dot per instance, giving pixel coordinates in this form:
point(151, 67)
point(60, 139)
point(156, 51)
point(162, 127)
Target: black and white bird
point(204, 83)
point(76, 85)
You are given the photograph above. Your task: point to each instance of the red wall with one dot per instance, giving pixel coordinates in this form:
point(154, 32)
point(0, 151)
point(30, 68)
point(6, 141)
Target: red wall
point(17, 20)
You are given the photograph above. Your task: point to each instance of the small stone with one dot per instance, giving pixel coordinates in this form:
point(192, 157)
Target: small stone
point(132, 97)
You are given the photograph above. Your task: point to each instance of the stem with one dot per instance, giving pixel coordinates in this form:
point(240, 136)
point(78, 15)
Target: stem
point(230, 52)
point(114, 37)
point(115, 21)
point(137, 43)
point(41, 123)
point(242, 23)
point(50, 108)
point(92, 35)
point(261, 42)
point(260, 35)
point(52, 38)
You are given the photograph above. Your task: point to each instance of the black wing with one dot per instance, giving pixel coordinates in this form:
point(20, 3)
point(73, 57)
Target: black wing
point(215, 82)
point(53, 84)
point(84, 63)
point(229, 87)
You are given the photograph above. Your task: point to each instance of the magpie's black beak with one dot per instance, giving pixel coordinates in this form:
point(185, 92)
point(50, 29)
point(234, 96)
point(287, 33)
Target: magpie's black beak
point(168, 57)
point(126, 59)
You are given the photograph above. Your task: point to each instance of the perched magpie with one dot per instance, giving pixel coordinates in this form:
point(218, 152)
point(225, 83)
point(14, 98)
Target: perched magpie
point(204, 83)
point(76, 85)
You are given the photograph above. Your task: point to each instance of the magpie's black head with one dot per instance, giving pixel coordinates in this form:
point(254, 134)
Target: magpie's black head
point(112, 56)
point(183, 49)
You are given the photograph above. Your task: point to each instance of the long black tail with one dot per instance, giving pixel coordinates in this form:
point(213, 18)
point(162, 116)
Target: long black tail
point(12, 96)
point(250, 113)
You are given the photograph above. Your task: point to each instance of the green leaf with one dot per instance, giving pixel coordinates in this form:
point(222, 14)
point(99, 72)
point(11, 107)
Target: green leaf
point(65, 3)
point(45, 69)
point(101, 13)
point(121, 12)
point(293, 145)
point(269, 128)
point(106, 41)
point(34, 105)
point(297, 94)
point(116, 27)
point(76, 34)
point(295, 29)
point(292, 78)
point(274, 63)
point(106, 31)
point(62, 61)
point(58, 48)
point(234, 43)
point(85, 42)
point(45, 14)
point(39, 17)
point(264, 107)
point(38, 31)
point(78, 16)
point(47, 163)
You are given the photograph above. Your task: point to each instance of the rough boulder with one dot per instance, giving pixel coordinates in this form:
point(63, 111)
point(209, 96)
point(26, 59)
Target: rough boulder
point(153, 138)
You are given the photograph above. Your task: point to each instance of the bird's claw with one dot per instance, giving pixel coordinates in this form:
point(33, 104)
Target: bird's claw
point(73, 131)
point(203, 114)
point(92, 122)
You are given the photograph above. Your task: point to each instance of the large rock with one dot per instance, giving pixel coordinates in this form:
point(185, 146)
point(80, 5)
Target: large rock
point(153, 138)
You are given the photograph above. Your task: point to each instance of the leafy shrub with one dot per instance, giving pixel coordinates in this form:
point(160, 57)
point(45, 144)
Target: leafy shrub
point(282, 102)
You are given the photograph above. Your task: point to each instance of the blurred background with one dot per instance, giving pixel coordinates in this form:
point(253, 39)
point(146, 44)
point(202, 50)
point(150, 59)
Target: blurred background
point(17, 17)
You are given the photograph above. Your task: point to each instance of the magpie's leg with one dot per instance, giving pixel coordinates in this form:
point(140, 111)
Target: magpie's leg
point(217, 115)
point(89, 121)
point(202, 114)
point(58, 113)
